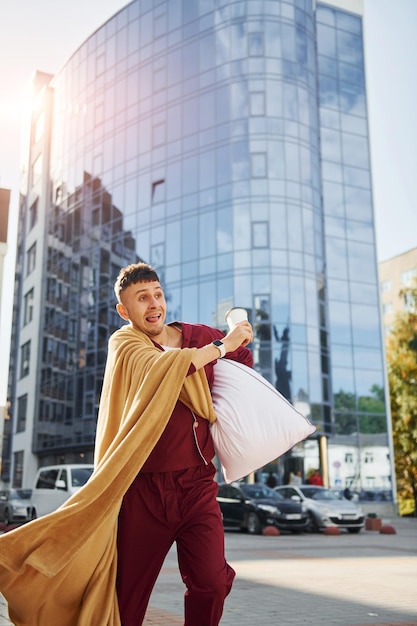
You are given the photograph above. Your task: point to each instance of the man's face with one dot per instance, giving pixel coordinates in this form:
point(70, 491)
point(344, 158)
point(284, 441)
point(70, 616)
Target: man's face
point(144, 305)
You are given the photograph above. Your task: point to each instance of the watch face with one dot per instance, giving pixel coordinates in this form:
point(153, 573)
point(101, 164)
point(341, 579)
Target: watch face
point(221, 347)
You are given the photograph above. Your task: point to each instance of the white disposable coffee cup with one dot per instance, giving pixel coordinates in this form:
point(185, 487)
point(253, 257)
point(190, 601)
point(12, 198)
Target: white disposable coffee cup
point(235, 315)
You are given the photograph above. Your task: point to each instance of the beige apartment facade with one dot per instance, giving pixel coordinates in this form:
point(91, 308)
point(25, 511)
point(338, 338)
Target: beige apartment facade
point(394, 275)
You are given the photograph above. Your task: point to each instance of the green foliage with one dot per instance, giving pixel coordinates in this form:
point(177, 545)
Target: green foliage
point(365, 414)
point(344, 401)
point(402, 375)
point(374, 403)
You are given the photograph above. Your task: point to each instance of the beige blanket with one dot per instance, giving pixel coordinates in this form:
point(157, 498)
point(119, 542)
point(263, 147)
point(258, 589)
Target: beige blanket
point(60, 570)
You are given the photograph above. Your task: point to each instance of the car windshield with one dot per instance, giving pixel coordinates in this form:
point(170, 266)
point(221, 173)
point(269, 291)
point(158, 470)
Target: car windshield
point(319, 493)
point(21, 494)
point(80, 475)
point(257, 492)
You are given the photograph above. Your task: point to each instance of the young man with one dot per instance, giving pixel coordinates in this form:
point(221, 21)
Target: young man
point(173, 497)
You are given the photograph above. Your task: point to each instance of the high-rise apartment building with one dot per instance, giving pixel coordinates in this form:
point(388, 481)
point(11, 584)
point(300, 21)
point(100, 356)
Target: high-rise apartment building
point(226, 143)
point(396, 274)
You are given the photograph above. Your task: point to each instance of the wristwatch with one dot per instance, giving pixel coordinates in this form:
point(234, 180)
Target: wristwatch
point(220, 346)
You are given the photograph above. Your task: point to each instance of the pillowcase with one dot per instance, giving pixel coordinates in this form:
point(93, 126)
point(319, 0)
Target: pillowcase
point(255, 423)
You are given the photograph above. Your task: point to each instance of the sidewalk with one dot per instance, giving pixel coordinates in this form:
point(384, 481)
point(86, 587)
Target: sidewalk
point(306, 580)
point(310, 580)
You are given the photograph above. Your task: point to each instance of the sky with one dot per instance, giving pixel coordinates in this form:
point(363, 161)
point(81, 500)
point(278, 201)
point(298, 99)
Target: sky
point(43, 34)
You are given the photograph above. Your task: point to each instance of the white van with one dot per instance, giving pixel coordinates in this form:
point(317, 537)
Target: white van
point(54, 484)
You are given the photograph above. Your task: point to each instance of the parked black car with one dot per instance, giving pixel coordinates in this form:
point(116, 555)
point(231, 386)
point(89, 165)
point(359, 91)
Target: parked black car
point(252, 507)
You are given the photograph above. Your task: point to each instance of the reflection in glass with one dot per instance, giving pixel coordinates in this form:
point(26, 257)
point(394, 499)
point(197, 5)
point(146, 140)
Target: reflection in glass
point(340, 321)
point(257, 103)
point(282, 373)
point(256, 44)
point(367, 380)
point(331, 145)
point(258, 165)
point(336, 259)
point(355, 150)
point(343, 383)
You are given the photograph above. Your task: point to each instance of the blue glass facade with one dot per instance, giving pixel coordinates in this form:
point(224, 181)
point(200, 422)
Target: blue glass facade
point(358, 378)
point(226, 143)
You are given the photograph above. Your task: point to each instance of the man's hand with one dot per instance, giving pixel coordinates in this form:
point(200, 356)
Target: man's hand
point(240, 335)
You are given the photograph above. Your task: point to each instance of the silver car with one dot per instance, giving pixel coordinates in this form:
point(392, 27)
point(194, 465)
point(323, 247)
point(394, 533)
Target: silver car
point(325, 507)
point(15, 505)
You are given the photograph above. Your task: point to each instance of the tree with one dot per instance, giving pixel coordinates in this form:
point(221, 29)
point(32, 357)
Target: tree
point(402, 375)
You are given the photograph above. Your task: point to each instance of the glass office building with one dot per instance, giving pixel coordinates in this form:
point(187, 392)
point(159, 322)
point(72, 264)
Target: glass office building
point(226, 143)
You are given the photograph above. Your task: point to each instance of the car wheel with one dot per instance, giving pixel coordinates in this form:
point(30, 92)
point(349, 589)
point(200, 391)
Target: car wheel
point(33, 514)
point(253, 524)
point(312, 524)
point(354, 530)
point(6, 518)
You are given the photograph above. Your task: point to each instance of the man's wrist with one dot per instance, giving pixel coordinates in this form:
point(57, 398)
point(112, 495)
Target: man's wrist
point(220, 347)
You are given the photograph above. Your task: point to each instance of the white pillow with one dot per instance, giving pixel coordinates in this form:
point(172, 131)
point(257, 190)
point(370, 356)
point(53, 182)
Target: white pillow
point(255, 423)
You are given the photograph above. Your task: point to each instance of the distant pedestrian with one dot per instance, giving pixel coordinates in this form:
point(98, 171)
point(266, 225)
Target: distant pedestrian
point(347, 493)
point(271, 481)
point(315, 478)
point(296, 479)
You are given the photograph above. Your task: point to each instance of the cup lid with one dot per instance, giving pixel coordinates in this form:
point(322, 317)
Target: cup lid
point(235, 308)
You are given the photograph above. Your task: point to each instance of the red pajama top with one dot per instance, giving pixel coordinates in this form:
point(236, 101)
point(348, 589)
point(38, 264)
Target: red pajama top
point(186, 440)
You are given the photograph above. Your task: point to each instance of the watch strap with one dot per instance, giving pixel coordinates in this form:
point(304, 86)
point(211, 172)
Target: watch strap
point(220, 346)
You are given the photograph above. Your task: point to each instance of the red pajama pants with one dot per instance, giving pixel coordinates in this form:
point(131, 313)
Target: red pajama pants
point(162, 508)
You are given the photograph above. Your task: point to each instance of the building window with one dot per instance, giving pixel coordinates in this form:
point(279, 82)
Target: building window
point(22, 404)
point(28, 307)
point(75, 276)
point(262, 307)
point(158, 191)
point(260, 235)
point(159, 22)
point(40, 126)
point(258, 165)
point(262, 318)
point(157, 255)
point(18, 468)
point(409, 302)
point(100, 64)
point(158, 135)
point(99, 114)
point(31, 259)
point(33, 214)
point(159, 79)
point(256, 44)
point(387, 308)
point(24, 359)
point(257, 103)
point(408, 276)
point(37, 170)
point(348, 457)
